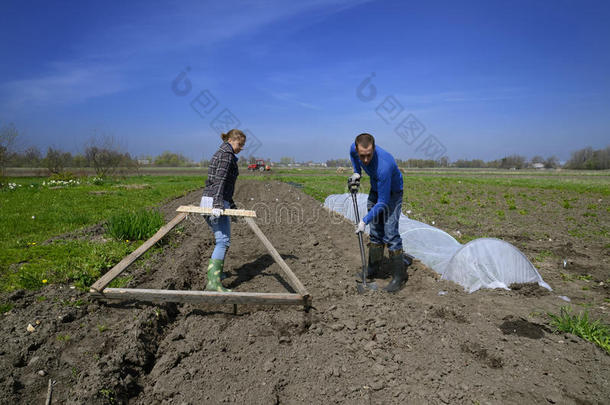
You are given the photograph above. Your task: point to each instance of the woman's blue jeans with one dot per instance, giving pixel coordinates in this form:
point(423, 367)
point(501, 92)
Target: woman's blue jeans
point(384, 228)
point(221, 227)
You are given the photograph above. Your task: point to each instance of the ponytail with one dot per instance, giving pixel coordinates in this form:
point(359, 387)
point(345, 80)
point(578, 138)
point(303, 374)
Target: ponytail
point(233, 134)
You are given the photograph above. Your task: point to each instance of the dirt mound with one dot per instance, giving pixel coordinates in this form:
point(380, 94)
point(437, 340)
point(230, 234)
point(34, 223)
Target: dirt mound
point(411, 347)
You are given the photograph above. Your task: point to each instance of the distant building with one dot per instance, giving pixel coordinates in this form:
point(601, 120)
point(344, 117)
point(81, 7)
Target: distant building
point(538, 165)
point(143, 161)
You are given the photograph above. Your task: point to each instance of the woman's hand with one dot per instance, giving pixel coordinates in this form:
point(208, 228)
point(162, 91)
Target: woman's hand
point(216, 212)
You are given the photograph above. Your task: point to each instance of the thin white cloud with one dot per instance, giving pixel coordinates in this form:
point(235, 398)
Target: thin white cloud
point(465, 96)
point(64, 85)
point(177, 26)
point(291, 98)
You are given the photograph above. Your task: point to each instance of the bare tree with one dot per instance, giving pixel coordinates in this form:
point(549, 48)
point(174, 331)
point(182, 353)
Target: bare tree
point(105, 156)
point(551, 163)
point(57, 160)
point(512, 162)
point(8, 135)
point(32, 157)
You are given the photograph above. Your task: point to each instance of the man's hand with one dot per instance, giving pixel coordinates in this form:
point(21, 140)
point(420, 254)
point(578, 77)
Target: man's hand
point(216, 212)
point(353, 181)
point(360, 227)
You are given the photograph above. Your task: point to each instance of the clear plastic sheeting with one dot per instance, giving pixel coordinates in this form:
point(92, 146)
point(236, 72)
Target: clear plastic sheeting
point(490, 263)
point(481, 263)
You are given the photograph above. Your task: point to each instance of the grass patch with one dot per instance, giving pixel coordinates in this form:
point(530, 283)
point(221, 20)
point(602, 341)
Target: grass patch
point(134, 225)
point(72, 303)
point(78, 262)
point(580, 325)
point(543, 255)
point(34, 212)
point(120, 282)
point(4, 308)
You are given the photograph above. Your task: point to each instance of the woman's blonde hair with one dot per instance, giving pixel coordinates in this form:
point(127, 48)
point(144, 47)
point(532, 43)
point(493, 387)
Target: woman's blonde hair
point(233, 134)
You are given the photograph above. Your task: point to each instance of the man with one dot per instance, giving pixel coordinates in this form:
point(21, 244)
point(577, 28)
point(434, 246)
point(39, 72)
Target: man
point(384, 207)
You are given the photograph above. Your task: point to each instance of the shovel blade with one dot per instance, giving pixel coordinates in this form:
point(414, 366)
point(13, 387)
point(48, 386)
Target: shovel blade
point(362, 288)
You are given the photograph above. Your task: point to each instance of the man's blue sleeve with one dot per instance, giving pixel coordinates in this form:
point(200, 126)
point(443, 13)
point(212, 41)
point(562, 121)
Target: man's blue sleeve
point(384, 187)
point(353, 155)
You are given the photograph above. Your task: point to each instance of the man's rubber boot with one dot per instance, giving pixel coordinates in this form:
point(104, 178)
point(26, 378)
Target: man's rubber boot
point(375, 259)
point(399, 273)
point(214, 271)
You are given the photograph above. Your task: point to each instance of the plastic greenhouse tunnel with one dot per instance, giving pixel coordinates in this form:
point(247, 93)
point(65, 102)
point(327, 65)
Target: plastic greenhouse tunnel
point(480, 263)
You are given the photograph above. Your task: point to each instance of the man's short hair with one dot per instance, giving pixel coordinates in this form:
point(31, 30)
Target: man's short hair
point(365, 140)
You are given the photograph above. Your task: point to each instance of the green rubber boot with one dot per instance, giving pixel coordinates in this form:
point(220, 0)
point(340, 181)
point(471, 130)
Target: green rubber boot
point(214, 271)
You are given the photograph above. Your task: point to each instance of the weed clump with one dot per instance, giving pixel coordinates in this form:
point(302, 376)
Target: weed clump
point(134, 225)
point(5, 307)
point(580, 325)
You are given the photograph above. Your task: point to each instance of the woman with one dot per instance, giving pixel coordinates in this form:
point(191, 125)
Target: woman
point(218, 195)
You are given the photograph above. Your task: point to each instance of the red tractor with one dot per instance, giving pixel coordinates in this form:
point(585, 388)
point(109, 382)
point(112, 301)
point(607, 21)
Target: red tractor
point(260, 166)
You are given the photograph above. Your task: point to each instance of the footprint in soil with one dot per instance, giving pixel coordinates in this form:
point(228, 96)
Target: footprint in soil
point(482, 355)
point(448, 313)
point(522, 327)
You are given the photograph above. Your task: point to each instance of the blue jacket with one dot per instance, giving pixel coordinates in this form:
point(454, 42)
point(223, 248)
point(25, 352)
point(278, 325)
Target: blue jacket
point(385, 178)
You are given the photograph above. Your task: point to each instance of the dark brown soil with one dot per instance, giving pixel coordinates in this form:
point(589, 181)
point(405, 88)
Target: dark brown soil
point(415, 346)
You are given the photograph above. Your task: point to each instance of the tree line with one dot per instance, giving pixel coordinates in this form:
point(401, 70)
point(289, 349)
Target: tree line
point(106, 157)
point(586, 158)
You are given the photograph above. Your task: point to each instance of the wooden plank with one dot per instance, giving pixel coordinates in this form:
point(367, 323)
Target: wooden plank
point(294, 281)
point(211, 297)
point(107, 278)
point(200, 210)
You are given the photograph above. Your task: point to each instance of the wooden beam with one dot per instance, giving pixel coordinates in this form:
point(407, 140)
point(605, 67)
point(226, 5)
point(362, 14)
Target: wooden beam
point(200, 210)
point(211, 297)
point(107, 278)
point(292, 278)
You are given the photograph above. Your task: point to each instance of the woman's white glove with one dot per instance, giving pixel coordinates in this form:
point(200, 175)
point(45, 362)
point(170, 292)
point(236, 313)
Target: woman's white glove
point(360, 227)
point(216, 212)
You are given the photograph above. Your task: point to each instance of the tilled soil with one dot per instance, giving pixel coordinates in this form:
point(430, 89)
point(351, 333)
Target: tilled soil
point(415, 346)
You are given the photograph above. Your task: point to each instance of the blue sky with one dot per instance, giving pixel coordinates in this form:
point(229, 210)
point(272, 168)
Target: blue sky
point(482, 79)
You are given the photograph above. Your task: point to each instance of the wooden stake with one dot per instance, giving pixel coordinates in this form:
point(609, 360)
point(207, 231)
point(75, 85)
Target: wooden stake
point(295, 282)
point(228, 211)
point(211, 297)
point(107, 278)
point(49, 392)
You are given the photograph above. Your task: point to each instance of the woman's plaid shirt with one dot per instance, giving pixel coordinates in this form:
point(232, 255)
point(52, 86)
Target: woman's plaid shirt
point(222, 175)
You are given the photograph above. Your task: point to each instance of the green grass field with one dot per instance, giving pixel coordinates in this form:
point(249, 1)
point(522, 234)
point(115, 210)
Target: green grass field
point(34, 212)
point(466, 203)
point(474, 204)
